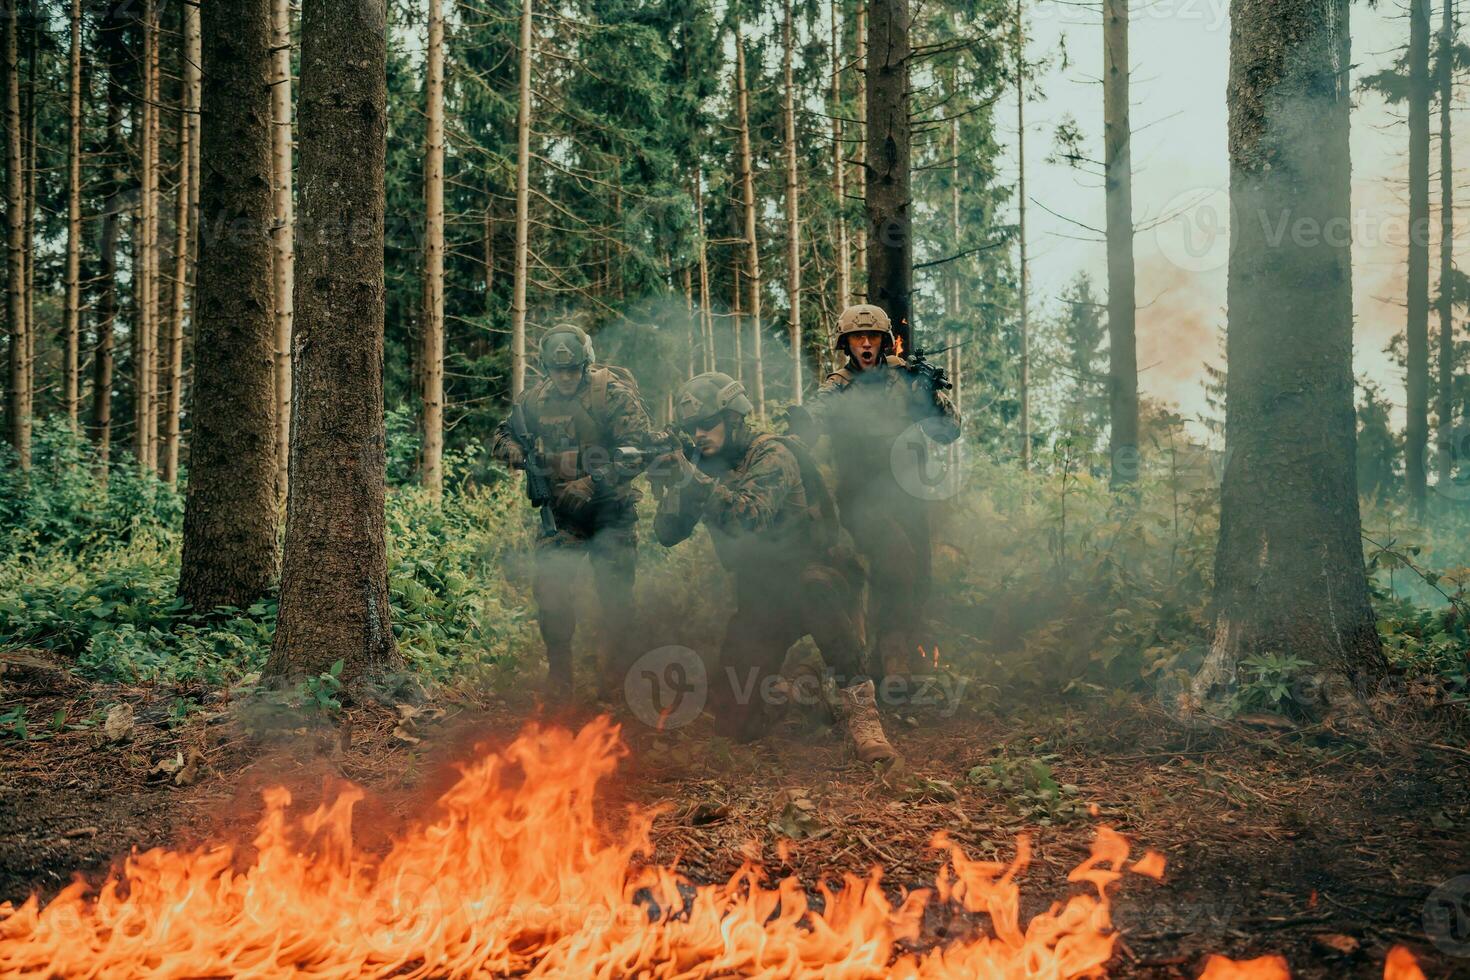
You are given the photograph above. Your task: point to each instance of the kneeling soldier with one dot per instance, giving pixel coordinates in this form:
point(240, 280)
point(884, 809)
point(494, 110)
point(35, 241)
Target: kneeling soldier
point(575, 416)
point(773, 526)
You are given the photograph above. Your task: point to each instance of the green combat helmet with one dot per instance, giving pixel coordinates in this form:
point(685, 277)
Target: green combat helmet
point(863, 318)
point(565, 345)
point(706, 395)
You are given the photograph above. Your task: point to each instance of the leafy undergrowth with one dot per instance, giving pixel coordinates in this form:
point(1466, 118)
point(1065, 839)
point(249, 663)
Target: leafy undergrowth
point(1044, 582)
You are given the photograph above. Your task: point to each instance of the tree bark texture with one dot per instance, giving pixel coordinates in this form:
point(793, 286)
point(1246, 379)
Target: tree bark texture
point(889, 202)
point(1118, 183)
point(1416, 328)
point(283, 230)
point(432, 461)
point(752, 244)
point(18, 392)
point(334, 580)
point(229, 553)
point(1289, 575)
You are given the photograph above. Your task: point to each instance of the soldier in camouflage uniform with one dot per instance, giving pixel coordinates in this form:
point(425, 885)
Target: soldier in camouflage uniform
point(866, 409)
point(576, 415)
point(773, 527)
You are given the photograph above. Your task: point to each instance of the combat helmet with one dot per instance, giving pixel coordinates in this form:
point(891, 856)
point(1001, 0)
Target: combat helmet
point(709, 394)
point(565, 345)
point(863, 318)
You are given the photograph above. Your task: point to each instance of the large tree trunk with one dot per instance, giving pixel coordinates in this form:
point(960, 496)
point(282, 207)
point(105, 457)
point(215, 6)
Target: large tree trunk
point(793, 210)
point(889, 202)
point(334, 582)
point(229, 555)
point(752, 246)
point(839, 166)
point(523, 210)
point(1416, 435)
point(432, 473)
point(1024, 282)
point(284, 229)
point(1444, 404)
point(173, 349)
point(17, 403)
point(1118, 181)
point(72, 326)
point(1289, 574)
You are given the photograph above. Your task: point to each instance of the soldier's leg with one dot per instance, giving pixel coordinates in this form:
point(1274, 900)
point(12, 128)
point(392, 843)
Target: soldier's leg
point(614, 557)
point(893, 563)
point(554, 589)
point(829, 598)
point(755, 644)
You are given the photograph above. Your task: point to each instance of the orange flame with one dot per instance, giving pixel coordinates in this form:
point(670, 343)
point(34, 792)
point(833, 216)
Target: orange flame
point(898, 345)
point(1261, 968)
point(1401, 965)
point(516, 874)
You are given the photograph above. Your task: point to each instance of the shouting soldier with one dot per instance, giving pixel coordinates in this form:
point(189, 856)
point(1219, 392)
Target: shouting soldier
point(773, 527)
point(871, 411)
point(572, 419)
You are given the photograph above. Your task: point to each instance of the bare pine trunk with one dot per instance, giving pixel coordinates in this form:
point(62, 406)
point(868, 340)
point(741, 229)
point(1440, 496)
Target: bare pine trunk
point(1118, 184)
point(18, 391)
point(1444, 407)
point(752, 247)
point(283, 251)
point(861, 148)
point(106, 318)
point(1416, 435)
point(72, 327)
point(839, 165)
point(433, 372)
point(706, 318)
point(1025, 328)
point(1289, 574)
point(334, 581)
point(174, 348)
point(523, 209)
point(793, 213)
point(737, 315)
point(145, 364)
point(229, 554)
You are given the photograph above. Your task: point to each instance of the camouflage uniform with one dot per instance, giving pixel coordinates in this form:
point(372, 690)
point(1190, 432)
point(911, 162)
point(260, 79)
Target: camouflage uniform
point(790, 581)
point(865, 415)
point(596, 517)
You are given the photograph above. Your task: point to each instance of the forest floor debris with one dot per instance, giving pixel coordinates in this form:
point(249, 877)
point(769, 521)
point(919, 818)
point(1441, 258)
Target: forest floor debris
point(1299, 842)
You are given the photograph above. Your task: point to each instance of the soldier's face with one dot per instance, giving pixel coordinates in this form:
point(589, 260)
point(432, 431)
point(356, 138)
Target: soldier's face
point(866, 348)
point(566, 379)
point(709, 435)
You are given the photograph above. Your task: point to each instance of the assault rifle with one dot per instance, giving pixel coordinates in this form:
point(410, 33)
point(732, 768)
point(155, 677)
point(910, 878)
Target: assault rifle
point(631, 460)
point(538, 486)
point(917, 362)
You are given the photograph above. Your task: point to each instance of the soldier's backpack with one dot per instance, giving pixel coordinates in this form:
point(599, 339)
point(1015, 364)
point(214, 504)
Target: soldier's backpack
point(821, 505)
point(599, 376)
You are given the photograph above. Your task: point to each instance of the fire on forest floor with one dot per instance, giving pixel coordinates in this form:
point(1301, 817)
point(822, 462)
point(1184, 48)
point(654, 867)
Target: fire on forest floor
point(1296, 844)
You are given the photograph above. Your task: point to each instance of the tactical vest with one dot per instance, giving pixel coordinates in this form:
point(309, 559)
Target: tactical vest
point(566, 426)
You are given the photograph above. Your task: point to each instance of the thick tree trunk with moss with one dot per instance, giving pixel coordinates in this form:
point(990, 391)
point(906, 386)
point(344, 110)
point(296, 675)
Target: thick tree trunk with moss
point(229, 555)
point(1289, 574)
point(334, 580)
point(889, 202)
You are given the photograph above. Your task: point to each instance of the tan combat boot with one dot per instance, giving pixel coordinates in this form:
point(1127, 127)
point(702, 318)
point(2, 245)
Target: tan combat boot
point(859, 711)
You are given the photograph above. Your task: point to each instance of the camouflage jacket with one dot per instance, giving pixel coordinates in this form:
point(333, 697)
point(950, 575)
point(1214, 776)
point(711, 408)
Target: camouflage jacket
point(576, 434)
point(757, 509)
point(864, 414)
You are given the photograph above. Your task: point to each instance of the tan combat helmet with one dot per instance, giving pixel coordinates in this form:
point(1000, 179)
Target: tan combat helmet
point(709, 394)
point(565, 345)
point(863, 318)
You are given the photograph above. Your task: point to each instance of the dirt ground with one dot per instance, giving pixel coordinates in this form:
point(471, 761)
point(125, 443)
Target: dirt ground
point(1309, 842)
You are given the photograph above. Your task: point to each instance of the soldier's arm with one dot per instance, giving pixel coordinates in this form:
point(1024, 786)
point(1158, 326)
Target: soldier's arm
point(675, 520)
point(628, 423)
point(503, 445)
point(751, 502)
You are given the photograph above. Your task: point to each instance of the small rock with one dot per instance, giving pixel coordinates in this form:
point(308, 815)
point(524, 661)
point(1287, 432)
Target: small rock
point(118, 725)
